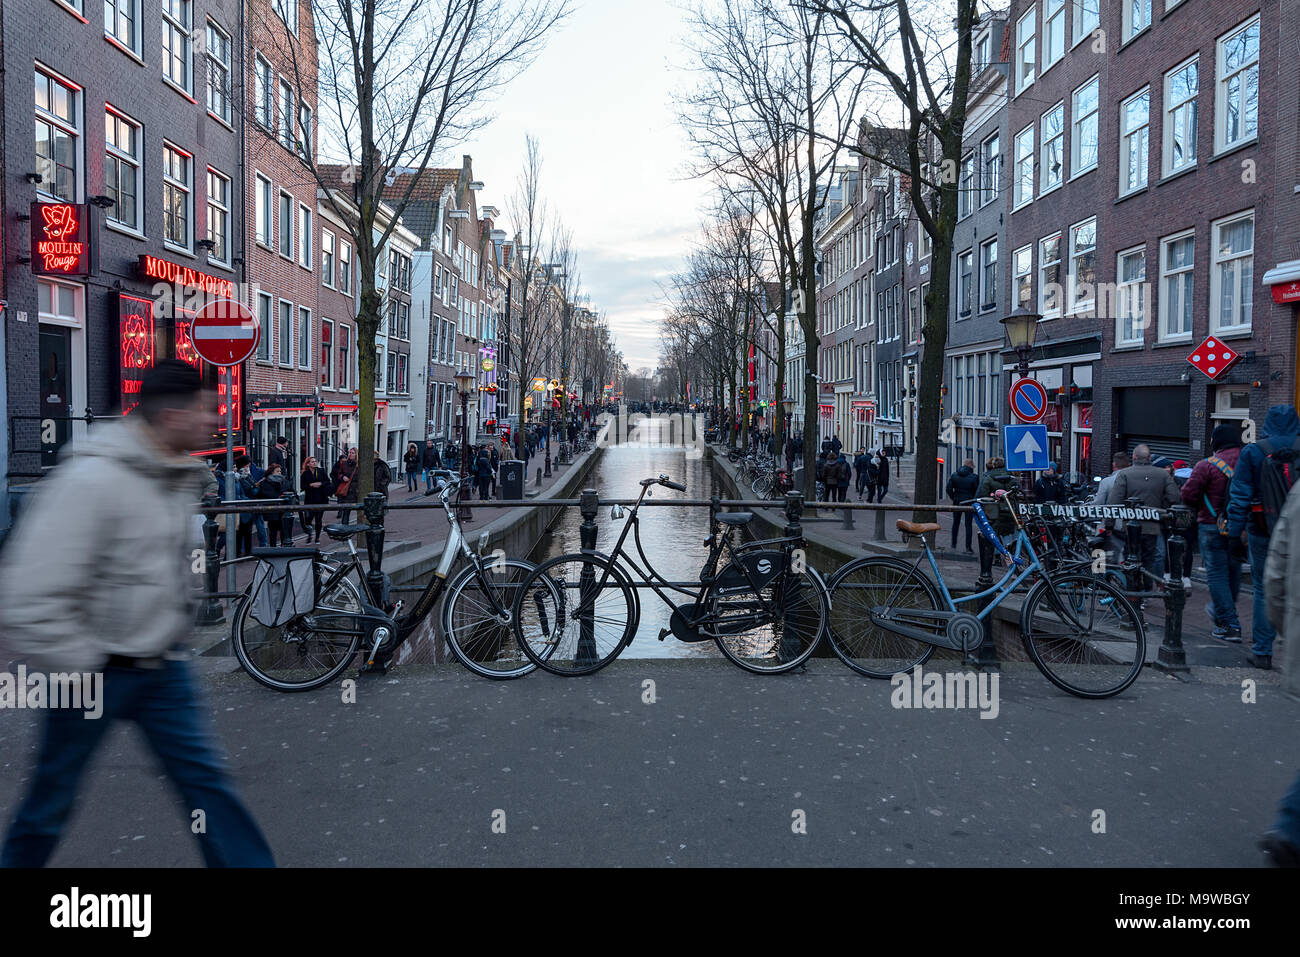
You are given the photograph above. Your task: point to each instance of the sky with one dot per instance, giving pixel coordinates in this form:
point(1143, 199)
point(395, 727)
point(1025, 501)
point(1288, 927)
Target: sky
point(599, 99)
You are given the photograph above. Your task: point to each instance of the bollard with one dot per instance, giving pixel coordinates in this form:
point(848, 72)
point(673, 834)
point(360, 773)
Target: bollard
point(880, 525)
point(1172, 656)
point(848, 519)
point(373, 507)
point(210, 609)
point(586, 614)
point(286, 518)
point(793, 529)
point(538, 483)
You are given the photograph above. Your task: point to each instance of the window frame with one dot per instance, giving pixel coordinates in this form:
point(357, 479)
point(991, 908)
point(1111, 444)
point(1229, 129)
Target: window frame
point(1167, 122)
point(1217, 262)
point(345, 267)
point(1045, 144)
point(1019, 200)
point(1076, 18)
point(985, 302)
point(965, 280)
point(1050, 19)
point(188, 189)
point(1077, 121)
point(1162, 333)
point(285, 246)
point(1045, 264)
point(1125, 144)
point(327, 354)
point(214, 210)
point(305, 236)
point(1017, 276)
point(304, 337)
point(328, 257)
point(268, 210)
point(1025, 78)
point(284, 323)
point(136, 49)
point(215, 65)
point(990, 169)
point(266, 323)
point(1125, 292)
point(185, 33)
point(263, 92)
point(1221, 143)
point(74, 129)
point(1085, 306)
point(120, 157)
point(1127, 32)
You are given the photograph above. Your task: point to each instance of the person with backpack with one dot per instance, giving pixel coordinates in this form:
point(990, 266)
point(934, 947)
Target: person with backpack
point(962, 486)
point(1265, 472)
point(882, 478)
point(1206, 490)
point(1003, 521)
point(837, 477)
point(1153, 487)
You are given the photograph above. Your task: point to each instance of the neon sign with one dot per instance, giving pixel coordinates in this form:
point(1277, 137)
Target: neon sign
point(137, 346)
point(155, 268)
point(60, 240)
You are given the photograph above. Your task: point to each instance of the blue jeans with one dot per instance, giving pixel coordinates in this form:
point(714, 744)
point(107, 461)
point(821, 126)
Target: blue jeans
point(1261, 631)
point(428, 480)
point(165, 704)
point(259, 525)
point(1223, 573)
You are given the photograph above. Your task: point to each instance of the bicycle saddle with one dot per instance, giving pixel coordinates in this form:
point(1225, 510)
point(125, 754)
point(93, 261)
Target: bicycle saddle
point(343, 532)
point(918, 528)
point(735, 518)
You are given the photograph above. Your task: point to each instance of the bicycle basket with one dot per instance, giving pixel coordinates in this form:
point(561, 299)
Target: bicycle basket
point(283, 588)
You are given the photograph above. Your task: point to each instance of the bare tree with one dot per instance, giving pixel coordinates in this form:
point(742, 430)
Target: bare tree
point(400, 83)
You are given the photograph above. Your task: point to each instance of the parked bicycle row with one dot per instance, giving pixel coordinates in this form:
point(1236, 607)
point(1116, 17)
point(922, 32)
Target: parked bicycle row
point(306, 616)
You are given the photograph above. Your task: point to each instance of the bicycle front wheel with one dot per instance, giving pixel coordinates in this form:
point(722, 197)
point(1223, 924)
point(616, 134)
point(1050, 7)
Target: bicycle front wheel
point(1084, 635)
point(485, 642)
point(293, 657)
point(771, 629)
point(567, 623)
point(871, 583)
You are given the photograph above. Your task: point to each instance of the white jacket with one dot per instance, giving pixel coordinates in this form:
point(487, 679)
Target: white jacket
point(99, 561)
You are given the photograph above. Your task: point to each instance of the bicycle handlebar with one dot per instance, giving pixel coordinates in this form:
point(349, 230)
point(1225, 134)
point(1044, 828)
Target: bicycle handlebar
point(663, 480)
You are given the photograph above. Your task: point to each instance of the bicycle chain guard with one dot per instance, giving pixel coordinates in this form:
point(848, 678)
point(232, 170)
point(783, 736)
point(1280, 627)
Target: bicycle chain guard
point(965, 631)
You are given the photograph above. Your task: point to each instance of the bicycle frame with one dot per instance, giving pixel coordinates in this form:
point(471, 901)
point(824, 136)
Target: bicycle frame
point(1021, 568)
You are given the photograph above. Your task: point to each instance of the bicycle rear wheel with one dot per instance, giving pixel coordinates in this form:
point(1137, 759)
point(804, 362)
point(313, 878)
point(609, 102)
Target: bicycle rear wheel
point(873, 583)
point(773, 629)
point(483, 642)
point(292, 657)
point(566, 624)
point(1084, 635)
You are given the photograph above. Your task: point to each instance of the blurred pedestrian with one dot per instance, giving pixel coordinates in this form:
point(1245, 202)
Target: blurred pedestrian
point(1153, 488)
point(316, 490)
point(837, 477)
point(1206, 490)
point(995, 478)
point(411, 462)
point(383, 475)
point(962, 486)
point(882, 475)
point(343, 477)
point(430, 460)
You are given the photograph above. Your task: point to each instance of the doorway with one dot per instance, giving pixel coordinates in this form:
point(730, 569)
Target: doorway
point(55, 382)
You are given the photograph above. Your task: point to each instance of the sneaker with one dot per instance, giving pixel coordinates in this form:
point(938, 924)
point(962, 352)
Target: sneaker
point(983, 582)
point(1262, 662)
point(1187, 584)
point(1227, 633)
point(1278, 851)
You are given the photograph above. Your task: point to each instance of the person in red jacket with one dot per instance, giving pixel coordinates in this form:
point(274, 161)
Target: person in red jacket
point(1206, 490)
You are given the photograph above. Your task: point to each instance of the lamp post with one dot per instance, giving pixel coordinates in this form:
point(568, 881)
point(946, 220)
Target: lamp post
point(1021, 326)
point(464, 382)
point(549, 423)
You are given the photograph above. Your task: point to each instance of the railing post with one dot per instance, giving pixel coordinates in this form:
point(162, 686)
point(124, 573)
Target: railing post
point(210, 609)
point(880, 523)
point(586, 652)
point(848, 518)
point(1172, 657)
point(538, 483)
point(373, 507)
point(290, 499)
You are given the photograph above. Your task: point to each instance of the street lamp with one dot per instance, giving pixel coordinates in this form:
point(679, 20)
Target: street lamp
point(1022, 326)
point(464, 382)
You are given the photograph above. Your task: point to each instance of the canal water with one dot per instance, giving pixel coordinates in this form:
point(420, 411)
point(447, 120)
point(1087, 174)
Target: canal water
point(673, 538)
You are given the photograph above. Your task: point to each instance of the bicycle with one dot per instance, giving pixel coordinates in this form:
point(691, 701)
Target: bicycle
point(310, 650)
point(1080, 630)
point(765, 611)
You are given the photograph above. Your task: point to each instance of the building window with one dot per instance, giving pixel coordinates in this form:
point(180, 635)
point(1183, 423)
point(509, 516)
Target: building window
point(989, 274)
point(286, 333)
point(1087, 17)
point(304, 131)
point(1083, 135)
point(924, 244)
point(991, 166)
point(286, 115)
point(304, 337)
point(287, 10)
point(326, 354)
point(1083, 266)
point(1130, 296)
point(122, 23)
point(176, 42)
point(264, 323)
point(327, 257)
point(122, 170)
point(263, 95)
point(219, 217)
point(965, 193)
point(1231, 295)
point(57, 130)
point(1137, 17)
point(1022, 267)
point(981, 55)
point(1177, 257)
point(218, 72)
point(965, 279)
point(177, 194)
point(1237, 86)
point(1053, 32)
point(1053, 148)
point(1181, 86)
point(345, 357)
point(304, 237)
point(1135, 119)
point(1049, 277)
point(286, 225)
point(1022, 190)
point(345, 267)
point(262, 201)
point(1026, 38)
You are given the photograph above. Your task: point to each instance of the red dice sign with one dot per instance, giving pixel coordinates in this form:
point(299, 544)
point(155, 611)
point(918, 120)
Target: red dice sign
point(1213, 357)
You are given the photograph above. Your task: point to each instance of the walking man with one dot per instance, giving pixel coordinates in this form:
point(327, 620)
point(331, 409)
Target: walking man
point(64, 614)
point(962, 485)
point(1206, 490)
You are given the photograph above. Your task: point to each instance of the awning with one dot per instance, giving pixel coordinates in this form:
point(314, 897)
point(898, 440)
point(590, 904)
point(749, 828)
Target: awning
point(1285, 280)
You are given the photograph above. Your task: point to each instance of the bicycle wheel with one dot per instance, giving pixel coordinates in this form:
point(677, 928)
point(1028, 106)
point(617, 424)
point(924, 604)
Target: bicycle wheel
point(1084, 635)
point(476, 636)
point(772, 629)
point(292, 657)
point(872, 583)
point(762, 486)
point(569, 626)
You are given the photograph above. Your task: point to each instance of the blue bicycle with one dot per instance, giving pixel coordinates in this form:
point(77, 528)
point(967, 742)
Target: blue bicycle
point(1080, 630)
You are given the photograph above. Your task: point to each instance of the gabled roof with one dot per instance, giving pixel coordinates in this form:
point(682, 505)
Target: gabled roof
point(421, 213)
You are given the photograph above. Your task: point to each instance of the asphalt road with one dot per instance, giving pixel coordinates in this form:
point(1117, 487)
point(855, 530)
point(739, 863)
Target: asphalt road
point(714, 772)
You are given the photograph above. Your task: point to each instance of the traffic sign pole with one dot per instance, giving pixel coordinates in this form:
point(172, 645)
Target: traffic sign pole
point(230, 492)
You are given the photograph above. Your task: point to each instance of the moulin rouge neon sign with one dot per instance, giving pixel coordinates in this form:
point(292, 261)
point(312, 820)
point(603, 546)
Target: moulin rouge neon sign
point(60, 240)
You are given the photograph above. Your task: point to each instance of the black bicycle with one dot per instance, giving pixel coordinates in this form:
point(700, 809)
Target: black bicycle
point(765, 609)
point(338, 612)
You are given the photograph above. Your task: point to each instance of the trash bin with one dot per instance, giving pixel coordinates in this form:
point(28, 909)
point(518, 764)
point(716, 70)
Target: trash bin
point(512, 480)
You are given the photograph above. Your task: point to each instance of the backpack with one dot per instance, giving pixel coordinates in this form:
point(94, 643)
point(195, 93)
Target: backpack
point(1220, 518)
point(1276, 476)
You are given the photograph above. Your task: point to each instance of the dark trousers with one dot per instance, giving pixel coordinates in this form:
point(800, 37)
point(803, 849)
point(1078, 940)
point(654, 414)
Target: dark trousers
point(880, 492)
point(483, 485)
point(956, 524)
point(279, 527)
point(838, 492)
point(314, 521)
point(165, 704)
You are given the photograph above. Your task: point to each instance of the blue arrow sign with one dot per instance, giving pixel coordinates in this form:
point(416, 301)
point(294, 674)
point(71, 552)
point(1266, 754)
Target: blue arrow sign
point(1026, 447)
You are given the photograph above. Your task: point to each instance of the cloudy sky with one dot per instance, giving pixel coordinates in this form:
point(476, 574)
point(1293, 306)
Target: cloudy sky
point(599, 99)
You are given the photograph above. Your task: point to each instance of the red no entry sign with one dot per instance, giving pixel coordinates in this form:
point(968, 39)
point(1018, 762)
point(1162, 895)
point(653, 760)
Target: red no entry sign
point(224, 332)
point(1028, 400)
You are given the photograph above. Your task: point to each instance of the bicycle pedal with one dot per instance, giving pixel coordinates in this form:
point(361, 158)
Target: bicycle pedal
point(664, 633)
